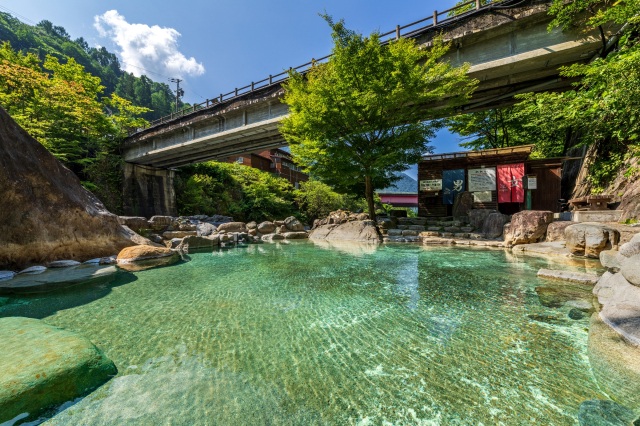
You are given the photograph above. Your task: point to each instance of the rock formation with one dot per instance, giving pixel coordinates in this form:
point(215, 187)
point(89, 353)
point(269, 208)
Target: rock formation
point(139, 258)
point(358, 230)
point(589, 239)
point(46, 214)
point(529, 226)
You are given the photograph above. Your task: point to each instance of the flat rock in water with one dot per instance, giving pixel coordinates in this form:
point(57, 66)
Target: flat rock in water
point(555, 248)
point(111, 260)
point(54, 279)
point(6, 275)
point(43, 366)
point(575, 277)
point(556, 294)
point(63, 263)
point(33, 270)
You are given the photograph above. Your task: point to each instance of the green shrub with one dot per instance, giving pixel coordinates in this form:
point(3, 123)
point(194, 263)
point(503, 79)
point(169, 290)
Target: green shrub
point(233, 190)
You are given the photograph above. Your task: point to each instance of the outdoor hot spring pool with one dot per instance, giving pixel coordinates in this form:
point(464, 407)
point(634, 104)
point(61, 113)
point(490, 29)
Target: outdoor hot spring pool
point(302, 334)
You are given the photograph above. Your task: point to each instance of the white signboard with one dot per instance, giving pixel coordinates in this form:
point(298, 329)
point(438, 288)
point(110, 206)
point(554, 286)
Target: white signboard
point(431, 185)
point(482, 179)
point(482, 197)
point(532, 182)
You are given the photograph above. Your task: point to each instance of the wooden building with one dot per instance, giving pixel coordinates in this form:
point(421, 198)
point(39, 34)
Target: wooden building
point(502, 179)
point(276, 161)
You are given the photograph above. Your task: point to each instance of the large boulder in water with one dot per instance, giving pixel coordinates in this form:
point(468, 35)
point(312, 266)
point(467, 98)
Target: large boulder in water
point(358, 230)
point(590, 238)
point(43, 366)
point(526, 227)
point(139, 258)
point(46, 214)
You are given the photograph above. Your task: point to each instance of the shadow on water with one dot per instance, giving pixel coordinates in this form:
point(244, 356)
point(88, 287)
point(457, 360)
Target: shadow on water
point(42, 305)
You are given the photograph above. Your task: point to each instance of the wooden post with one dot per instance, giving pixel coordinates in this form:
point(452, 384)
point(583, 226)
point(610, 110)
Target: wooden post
point(435, 17)
point(477, 4)
point(270, 79)
point(220, 97)
point(236, 91)
point(397, 32)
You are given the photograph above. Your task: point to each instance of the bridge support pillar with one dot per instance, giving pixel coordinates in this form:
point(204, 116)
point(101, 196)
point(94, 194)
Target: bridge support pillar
point(149, 191)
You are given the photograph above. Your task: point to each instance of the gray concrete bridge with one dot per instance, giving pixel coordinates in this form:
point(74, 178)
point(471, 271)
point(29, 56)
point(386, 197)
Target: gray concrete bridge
point(506, 43)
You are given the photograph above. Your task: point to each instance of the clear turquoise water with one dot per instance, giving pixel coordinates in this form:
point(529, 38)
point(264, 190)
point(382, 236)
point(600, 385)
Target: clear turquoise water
point(298, 334)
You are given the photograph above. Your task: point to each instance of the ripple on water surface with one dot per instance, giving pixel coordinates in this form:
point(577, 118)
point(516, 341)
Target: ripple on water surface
point(301, 335)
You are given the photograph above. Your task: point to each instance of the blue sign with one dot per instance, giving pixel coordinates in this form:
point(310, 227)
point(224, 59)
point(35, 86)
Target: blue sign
point(452, 185)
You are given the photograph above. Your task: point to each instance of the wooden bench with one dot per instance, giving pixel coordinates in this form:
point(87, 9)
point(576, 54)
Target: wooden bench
point(591, 202)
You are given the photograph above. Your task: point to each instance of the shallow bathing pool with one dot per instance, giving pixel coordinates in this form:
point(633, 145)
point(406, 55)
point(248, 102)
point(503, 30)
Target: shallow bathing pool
point(299, 334)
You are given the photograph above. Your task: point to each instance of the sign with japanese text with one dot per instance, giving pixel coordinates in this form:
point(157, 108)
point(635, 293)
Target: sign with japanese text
point(482, 197)
point(431, 185)
point(483, 179)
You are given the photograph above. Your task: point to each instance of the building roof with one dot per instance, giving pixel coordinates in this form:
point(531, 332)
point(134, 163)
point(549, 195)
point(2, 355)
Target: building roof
point(405, 185)
point(520, 149)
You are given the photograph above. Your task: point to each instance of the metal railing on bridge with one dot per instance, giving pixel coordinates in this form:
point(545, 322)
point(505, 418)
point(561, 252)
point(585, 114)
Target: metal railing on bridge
point(415, 28)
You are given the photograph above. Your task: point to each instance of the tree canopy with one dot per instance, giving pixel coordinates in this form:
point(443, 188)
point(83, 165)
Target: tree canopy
point(602, 108)
point(46, 39)
point(63, 107)
point(364, 114)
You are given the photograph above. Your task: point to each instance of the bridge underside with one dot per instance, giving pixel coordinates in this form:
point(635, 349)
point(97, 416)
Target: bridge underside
point(252, 137)
point(510, 52)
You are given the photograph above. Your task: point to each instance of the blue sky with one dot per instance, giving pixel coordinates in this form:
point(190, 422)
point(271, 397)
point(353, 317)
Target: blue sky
point(217, 45)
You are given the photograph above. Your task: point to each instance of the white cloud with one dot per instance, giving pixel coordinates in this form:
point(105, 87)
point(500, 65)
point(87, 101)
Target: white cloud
point(144, 47)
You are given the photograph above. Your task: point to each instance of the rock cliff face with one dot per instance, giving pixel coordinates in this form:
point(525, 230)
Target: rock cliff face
point(625, 188)
point(45, 214)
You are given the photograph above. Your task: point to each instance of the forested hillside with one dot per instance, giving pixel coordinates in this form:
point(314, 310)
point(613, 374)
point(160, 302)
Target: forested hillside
point(45, 38)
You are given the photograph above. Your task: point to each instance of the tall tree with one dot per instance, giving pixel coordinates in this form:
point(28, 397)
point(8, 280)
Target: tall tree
point(604, 105)
point(361, 116)
point(494, 128)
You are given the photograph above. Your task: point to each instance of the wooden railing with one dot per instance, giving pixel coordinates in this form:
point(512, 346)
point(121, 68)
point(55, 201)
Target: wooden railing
point(413, 27)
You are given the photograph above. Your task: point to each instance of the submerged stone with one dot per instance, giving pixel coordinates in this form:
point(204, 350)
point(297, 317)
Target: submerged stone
point(604, 413)
point(33, 270)
point(549, 319)
point(615, 363)
point(576, 277)
point(6, 275)
point(576, 314)
point(43, 366)
point(63, 263)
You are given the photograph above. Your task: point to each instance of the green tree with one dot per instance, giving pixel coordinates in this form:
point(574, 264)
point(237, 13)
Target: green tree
point(316, 199)
point(604, 105)
point(242, 192)
point(62, 106)
point(494, 128)
point(361, 116)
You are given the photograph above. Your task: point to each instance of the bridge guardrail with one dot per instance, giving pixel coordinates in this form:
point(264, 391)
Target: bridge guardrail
point(278, 78)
